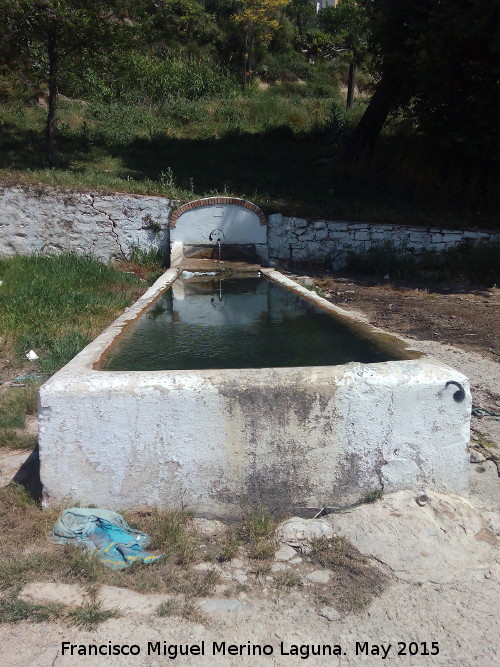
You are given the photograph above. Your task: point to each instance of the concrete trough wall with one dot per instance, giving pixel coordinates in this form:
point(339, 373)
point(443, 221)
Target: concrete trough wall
point(284, 437)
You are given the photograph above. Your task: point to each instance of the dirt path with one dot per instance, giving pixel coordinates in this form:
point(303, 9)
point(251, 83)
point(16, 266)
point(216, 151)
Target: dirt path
point(454, 603)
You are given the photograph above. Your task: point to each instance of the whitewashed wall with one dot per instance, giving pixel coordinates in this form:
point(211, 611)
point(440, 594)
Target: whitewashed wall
point(298, 240)
point(106, 226)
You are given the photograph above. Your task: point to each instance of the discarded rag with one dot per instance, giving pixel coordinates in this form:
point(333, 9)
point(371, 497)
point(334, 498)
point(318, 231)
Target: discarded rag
point(104, 533)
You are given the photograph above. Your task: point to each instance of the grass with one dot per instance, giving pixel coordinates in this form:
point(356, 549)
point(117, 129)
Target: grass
point(55, 305)
point(16, 404)
point(13, 439)
point(288, 579)
point(186, 610)
point(25, 554)
point(169, 533)
point(13, 610)
point(265, 146)
point(90, 615)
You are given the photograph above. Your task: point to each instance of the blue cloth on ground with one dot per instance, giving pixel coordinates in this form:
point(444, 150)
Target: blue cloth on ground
point(104, 533)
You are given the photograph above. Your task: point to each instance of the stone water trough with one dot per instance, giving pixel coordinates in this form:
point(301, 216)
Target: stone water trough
point(212, 439)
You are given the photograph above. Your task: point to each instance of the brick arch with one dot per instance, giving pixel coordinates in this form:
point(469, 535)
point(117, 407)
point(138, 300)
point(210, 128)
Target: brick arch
point(209, 201)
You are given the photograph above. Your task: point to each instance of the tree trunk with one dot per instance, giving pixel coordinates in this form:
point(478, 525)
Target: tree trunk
point(386, 97)
point(51, 115)
point(351, 83)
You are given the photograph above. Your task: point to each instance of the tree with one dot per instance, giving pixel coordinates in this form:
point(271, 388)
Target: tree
point(61, 30)
point(348, 24)
point(302, 13)
point(258, 21)
point(437, 61)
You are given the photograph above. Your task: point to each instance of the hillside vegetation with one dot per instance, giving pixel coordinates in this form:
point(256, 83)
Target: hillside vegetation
point(186, 98)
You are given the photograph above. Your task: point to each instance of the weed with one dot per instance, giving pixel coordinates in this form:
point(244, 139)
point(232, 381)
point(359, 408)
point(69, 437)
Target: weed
point(288, 579)
point(262, 549)
point(14, 439)
point(229, 547)
point(90, 615)
point(15, 404)
point(13, 610)
point(258, 523)
point(154, 225)
point(373, 496)
point(167, 608)
point(191, 612)
point(337, 552)
point(201, 583)
point(168, 531)
point(152, 260)
point(83, 566)
point(261, 569)
point(257, 530)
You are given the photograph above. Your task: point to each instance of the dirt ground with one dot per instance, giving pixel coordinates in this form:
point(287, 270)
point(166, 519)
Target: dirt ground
point(443, 560)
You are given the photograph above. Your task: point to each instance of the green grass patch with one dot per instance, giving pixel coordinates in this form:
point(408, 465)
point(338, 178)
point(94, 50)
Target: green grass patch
point(12, 439)
point(56, 305)
point(90, 615)
point(13, 610)
point(15, 404)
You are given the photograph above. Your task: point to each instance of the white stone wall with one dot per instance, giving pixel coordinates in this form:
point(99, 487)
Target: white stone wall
point(42, 219)
point(106, 226)
point(298, 240)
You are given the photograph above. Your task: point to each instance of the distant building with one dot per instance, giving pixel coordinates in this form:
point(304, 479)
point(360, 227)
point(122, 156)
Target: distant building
point(321, 4)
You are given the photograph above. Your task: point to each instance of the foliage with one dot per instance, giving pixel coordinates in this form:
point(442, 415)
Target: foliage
point(50, 35)
point(13, 610)
point(475, 263)
point(438, 62)
point(348, 24)
point(258, 21)
point(90, 615)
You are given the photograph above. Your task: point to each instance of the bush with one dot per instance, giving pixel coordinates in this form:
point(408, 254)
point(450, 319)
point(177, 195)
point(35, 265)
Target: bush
point(284, 66)
point(467, 262)
point(137, 78)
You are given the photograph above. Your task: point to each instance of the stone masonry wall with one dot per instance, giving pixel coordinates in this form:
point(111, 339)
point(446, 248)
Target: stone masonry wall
point(106, 226)
point(295, 240)
point(41, 219)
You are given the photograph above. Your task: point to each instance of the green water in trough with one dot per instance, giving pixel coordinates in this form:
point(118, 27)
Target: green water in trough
point(238, 323)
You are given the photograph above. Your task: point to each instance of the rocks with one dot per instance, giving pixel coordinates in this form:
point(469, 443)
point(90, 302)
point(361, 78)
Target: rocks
point(437, 542)
point(336, 238)
point(208, 526)
point(207, 567)
point(319, 576)
point(330, 613)
point(240, 576)
point(285, 553)
point(278, 567)
point(476, 457)
point(297, 531)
